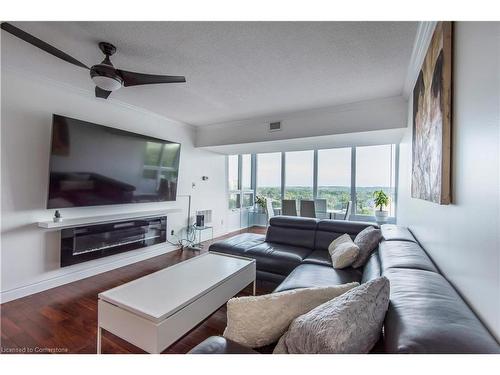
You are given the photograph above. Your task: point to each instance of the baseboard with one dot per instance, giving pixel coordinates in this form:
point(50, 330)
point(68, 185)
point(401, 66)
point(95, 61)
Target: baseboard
point(26, 290)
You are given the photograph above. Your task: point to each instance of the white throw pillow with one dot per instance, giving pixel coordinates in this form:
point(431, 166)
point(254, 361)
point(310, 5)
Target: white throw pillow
point(259, 321)
point(343, 251)
point(350, 323)
point(345, 238)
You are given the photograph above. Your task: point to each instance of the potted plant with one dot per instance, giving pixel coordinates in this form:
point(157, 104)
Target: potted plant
point(261, 203)
point(381, 200)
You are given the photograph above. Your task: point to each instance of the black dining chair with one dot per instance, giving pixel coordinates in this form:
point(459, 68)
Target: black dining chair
point(289, 207)
point(307, 208)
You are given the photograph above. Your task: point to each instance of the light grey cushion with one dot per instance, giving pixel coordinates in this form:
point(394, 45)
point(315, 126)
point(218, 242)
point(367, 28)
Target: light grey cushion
point(367, 241)
point(350, 323)
point(343, 251)
point(257, 321)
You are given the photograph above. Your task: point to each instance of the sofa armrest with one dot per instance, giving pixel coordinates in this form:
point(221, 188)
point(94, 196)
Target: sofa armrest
point(220, 345)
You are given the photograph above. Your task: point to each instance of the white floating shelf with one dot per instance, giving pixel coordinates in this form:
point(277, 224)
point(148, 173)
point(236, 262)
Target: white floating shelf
point(77, 221)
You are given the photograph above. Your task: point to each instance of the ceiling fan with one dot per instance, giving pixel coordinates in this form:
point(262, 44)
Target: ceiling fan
point(106, 77)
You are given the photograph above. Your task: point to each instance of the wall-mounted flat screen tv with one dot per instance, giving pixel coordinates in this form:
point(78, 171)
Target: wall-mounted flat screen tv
point(94, 165)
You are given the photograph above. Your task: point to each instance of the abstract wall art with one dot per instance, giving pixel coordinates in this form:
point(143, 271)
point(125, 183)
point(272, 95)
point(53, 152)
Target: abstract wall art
point(431, 166)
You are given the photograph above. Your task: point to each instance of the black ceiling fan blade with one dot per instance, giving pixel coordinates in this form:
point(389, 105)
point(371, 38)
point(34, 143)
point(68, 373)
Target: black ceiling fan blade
point(100, 93)
point(40, 44)
point(134, 79)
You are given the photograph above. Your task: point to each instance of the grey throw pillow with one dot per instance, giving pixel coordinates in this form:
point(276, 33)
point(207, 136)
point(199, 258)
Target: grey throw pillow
point(350, 323)
point(367, 241)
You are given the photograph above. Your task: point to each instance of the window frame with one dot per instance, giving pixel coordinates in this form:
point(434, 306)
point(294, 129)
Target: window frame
point(358, 217)
point(240, 192)
point(314, 180)
point(317, 163)
point(255, 174)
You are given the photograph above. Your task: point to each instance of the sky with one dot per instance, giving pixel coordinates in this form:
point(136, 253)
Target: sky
point(334, 167)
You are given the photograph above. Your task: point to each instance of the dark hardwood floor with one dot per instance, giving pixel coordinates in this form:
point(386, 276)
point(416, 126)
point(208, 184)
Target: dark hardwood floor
point(64, 319)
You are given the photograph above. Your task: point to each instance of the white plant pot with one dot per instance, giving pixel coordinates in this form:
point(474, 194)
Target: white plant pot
point(381, 216)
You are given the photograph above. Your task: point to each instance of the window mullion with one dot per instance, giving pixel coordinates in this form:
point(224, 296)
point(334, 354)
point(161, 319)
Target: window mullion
point(396, 180)
point(240, 173)
point(353, 180)
point(315, 175)
point(253, 172)
point(283, 177)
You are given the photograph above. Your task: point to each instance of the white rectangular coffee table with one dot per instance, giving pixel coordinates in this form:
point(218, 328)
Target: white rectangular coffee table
point(156, 310)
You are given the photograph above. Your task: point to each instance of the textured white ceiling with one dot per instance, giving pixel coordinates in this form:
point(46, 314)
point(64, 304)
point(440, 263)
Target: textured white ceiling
point(234, 70)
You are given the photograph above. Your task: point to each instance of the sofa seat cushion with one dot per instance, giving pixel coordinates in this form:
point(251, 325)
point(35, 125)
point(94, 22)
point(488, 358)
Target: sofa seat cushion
point(274, 278)
point(238, 244)
point(313, 275)
point(426, 315)
point(220, 345)
point(404, 254)
point(392, 232)
point(319, 257)
point(277, 258)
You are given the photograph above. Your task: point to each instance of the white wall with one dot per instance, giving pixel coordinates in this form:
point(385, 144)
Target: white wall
point(29, 255)
point(464, 238)
point(371, 138)
point(370, 115)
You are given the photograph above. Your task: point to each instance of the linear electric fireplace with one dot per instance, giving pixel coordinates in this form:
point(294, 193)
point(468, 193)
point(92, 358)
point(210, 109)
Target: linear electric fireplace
point(81, 244)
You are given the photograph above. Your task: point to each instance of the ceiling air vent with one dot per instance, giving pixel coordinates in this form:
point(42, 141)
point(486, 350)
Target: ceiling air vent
point(274, 126)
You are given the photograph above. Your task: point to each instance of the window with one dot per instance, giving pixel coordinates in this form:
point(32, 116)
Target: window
point(248, 200)
point(239, 176)
point(233, 171)
point(246, 172)
point(375, 170)
point(299, 175)
point(334, 177)
point(234, 201)
point(269, 176)
point(342, 175)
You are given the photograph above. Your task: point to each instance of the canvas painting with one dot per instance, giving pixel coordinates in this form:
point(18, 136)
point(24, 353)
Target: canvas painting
point(431, 167)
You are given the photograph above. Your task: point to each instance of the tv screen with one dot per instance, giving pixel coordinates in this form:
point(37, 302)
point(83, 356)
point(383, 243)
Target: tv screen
point(93, 165)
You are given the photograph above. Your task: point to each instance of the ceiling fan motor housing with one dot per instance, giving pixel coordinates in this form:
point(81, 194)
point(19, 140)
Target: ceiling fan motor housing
point(104, 74)
point(105, 77)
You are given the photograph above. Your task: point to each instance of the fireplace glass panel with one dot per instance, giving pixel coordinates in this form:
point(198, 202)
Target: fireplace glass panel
point(96, 241)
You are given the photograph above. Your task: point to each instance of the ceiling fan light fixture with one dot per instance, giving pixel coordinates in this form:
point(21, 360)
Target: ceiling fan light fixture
point(107, 83)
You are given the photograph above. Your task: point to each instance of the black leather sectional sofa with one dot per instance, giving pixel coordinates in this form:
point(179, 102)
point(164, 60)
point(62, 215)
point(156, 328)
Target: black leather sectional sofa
point(425, 315)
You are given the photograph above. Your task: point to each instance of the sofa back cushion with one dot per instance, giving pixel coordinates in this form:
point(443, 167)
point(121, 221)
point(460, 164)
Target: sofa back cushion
point(404, 254)
point(329, 230)
point(292, 230)
point(392, 232)
point(426, 315)
point(372, 269)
